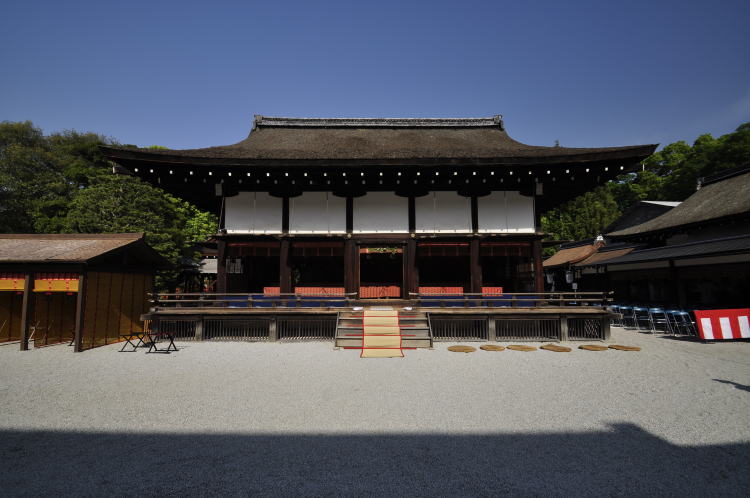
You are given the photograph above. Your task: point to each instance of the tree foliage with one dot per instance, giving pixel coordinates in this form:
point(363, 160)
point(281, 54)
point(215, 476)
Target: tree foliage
point(670, 174)
point(62, 184)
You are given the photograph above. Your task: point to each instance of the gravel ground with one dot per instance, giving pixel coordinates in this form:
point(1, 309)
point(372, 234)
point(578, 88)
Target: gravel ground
point(304, 419)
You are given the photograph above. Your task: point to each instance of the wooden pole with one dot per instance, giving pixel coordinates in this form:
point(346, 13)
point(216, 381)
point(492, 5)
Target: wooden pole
point(80, 307)
point(350, 284)
point(221, 266)
point(475, 266)
point(285, 267)
point(536, 248)
point(410, 265)
point(27, 310)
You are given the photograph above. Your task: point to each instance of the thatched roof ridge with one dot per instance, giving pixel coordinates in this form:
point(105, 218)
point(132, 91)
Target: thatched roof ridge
point(70, 248)
point(720, 199)
point(381, 140)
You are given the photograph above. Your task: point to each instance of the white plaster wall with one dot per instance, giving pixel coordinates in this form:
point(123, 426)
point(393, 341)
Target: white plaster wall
point(252, 212)
point(443, 212)
point(381, 212)
point(506, 212)
point(317, 212)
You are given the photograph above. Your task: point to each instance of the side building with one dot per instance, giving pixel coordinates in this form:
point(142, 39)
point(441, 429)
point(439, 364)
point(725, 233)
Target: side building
point(81, 289)
point(694, 256)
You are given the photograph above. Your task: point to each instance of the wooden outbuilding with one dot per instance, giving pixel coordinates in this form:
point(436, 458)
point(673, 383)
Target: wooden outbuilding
point(81, 289)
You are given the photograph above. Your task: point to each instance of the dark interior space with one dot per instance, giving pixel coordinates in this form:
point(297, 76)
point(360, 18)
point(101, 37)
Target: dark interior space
point(381, 269)
point(512, 273)
point(318, 271)
point(444, 271)
point(256, 273)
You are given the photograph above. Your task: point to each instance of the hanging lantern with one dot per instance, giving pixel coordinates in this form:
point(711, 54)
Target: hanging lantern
point(569, 277)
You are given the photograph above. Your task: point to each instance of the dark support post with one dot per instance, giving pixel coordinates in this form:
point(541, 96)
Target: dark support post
point(350, 284)
point(285, 215)
point(80, 308)
point(285, 267)
point(564, 334)
point(606, 332)
point(27, 310)
point(221, 266)
point(474, 214)
point(491, 328)
point(536, 249)
point(410, 264)
point(475, 266)
point(412, 215)
point(349, 214)
point(273, 331)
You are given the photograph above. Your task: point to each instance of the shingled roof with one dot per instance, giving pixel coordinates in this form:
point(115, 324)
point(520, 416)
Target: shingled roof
point(380, 140)
point(72, 247)
point(723, 198)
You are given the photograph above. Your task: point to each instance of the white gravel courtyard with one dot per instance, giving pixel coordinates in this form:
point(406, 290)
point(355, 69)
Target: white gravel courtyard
point(304, 419)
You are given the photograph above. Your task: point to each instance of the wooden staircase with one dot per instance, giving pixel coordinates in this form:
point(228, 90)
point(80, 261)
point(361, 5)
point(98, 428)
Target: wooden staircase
point(415, 328)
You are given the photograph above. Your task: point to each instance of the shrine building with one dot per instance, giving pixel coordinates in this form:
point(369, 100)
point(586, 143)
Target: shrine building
point(379, 208)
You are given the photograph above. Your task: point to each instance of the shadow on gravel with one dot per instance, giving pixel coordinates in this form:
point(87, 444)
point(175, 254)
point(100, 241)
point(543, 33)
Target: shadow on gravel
point(623, 461)
point(741, 387)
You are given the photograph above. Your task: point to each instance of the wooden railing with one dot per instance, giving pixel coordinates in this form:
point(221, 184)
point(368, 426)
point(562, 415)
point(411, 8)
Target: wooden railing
point(512, 299)
point(296, 300)
point(237, 300)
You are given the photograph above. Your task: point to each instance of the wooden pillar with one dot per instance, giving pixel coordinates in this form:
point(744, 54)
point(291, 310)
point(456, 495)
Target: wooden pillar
point(536, 249)
point(475, 266)
point(27, 310)
point(285, 215)
point(350, 276)
point(80, 308)
point(285, 267)
point(411, 273)
point(221, 266)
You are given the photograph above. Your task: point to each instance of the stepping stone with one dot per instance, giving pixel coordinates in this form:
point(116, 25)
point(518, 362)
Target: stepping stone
point(556, 348)
point(593, 347)
point(516, 347)
point(624, 348)
point(491, 347)
point(461, 349)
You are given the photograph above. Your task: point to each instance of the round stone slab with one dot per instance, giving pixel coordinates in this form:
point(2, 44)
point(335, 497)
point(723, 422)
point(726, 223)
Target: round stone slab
point(491, 347)
point(593, 347)
point(556, 348)
point(517, 347)
point(461, 349)
point(624, 348)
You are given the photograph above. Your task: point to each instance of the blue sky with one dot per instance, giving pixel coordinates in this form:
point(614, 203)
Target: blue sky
point(192, 74)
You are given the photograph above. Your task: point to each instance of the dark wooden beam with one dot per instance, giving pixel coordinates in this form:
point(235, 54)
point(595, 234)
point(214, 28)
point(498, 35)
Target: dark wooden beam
point(80, 308)
point(412, 214)
point(350, 277)
point(27, 310)
point(285, 215)
point(474, 214)
point(411, 274)
point(475, 265)
point(349, 214)
point(536, 250)
point(221, 266)
point(285, 266)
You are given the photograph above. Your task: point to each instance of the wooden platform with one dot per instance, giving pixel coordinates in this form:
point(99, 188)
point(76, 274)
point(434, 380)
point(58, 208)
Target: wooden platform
point(543, 323)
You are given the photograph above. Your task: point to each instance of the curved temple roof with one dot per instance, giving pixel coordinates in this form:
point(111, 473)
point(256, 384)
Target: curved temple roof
point(374, 140)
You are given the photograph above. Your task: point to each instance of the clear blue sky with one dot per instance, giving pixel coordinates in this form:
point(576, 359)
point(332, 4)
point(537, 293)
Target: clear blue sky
point(192, 74)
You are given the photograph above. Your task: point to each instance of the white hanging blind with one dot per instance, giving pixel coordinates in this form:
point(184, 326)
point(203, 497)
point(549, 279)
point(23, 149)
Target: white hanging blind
point(252, 212)
point(317, 212)
point(381, 212)
point(443, 212)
